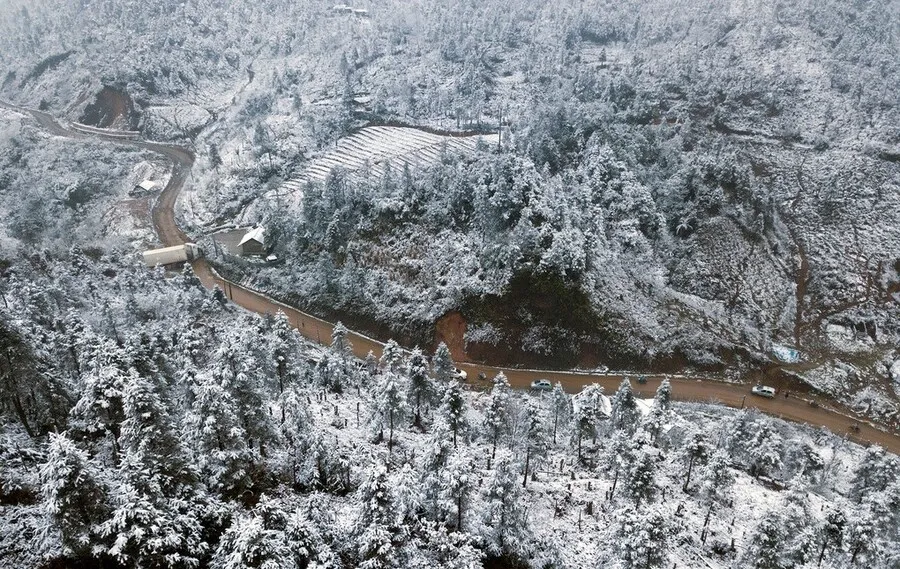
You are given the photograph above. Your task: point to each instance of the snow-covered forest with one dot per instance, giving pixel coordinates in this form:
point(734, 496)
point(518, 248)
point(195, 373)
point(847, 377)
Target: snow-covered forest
point(703, 184)
point(687, 185)
point(147, 422)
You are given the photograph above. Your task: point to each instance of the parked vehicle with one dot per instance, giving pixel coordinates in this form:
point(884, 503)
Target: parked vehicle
point(763, 391)
point(642, 379)
point(541, 385)
point(459, 375)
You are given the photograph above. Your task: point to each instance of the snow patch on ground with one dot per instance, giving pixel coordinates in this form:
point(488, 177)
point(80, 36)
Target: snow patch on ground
point(846, 340)
point(827, 379)
point(483, 334)
point(874, 403)
point(786, 354)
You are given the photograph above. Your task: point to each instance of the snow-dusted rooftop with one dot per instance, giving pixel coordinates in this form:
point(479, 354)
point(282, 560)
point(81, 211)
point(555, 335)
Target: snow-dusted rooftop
point(256, 234)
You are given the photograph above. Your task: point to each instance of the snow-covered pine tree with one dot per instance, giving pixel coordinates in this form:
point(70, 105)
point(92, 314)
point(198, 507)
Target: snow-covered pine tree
point(458, 487)
point(306, 543)
point(74, 495)
point(802, 526)
point(641, 538)
point(786, 537)
point(29, 388)
point(497, 415)
point(832, 533)
point(764, 450)
point(453, 411)
point(696, 450)
point(149, 436)
point(739, 433)
point(376, 536)
point(766, 547)
point(252, 544)
point(339, 372)
point(148, 528)
point(435, 456)
point(408, 497)
point(442, 363)
point(392, 357)
point(625, 414)
point(371, 365)
point(503, 514)
point(321, 467)
point(587, 416)
point(532, 437)
point(561, 404)
point(98, 412)
point(421, 389)
point(638, 482)
point(283, 346)
point(663, 398)
point(450, 549)
point(340, 343)
point(390, 407)
point(218, 438)
point(717, 478)
point(295, 430)
point(876, 471)
point(237, 370)
point(860, 539)
point(656, 419)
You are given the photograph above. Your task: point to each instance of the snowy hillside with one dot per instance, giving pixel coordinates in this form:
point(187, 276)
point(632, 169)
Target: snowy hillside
point(372, 151)
point(699, 187)
point(723, 178)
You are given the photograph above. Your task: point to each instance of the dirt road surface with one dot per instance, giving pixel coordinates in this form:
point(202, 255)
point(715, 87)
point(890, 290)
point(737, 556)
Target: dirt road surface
point(825, 413)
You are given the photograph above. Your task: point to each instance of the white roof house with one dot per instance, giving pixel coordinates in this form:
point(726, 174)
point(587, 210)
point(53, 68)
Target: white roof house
point(145, 187)
point(256, 234)
point(253, 242)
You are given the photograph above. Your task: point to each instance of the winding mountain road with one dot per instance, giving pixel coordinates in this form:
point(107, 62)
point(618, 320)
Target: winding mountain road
point(825, 413)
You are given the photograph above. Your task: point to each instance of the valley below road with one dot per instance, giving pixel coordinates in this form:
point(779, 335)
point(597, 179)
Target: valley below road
point(813, 411)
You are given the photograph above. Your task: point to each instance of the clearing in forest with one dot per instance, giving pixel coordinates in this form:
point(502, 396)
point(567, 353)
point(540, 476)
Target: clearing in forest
point(377, 147)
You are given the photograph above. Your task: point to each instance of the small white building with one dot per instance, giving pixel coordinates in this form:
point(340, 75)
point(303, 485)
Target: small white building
point(253, 242)
point(145, 187)
point(171, 255)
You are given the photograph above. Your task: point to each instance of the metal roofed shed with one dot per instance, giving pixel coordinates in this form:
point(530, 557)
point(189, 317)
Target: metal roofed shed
point(171, 255)
point(145, 187)
point(253, 242)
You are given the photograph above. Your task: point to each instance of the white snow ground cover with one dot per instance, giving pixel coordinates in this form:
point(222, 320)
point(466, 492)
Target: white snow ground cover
point(786, 354)
point(562, 490)
point(370, 151)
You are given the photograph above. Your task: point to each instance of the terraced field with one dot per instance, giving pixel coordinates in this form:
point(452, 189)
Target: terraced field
point(379, 146)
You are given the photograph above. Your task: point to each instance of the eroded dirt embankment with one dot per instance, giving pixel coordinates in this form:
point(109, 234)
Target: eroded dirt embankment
point(112, 108)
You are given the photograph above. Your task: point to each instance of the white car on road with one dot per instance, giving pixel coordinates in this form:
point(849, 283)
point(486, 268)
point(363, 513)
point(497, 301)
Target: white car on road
point(541, 385)
point(763, 391)
point(459, 375)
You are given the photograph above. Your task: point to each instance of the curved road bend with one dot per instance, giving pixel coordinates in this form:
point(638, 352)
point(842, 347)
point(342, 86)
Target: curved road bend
point(828, 414)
